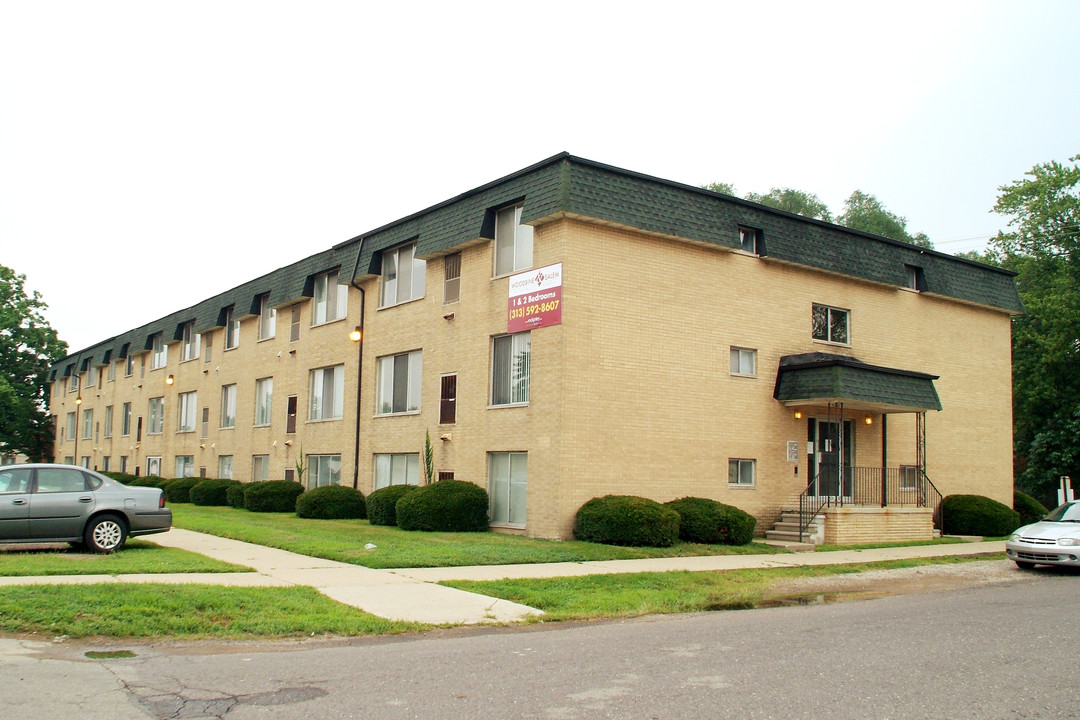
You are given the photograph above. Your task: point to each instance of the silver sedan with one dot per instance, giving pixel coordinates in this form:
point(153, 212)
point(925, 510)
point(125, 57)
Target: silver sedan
point(62, 503)
point(1054, 540)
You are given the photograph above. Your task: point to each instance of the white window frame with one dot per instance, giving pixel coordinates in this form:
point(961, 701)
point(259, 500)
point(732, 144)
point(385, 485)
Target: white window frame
point(329, 306)
point(509, 385)
point(267, 319)
point(125, 420)
point(389, 384)
point(909, 478)
point(160, 355)
point(513, 242)
point(92, 376)
point(228, 407)
point(155, 415)
point(225, 467)
point(260, 468)
point(323, 470)
point(87, 423)
point(403, 276)
point(451, 278)
point(232, 330)
point(72, 425)
point(189, 346)
point(112, 372)
point(264, 401)
point(396, 469)
point(750, 240)
point(744, 472)
point(108, 420)
point(508, 483)
point(129, 366)
point(187, 412)
point(153, 465)
point(743, 362)
point(829, 330)
point(185, 466)
point(326, 396)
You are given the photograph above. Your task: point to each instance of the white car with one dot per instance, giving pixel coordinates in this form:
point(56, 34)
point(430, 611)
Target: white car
point(1054, 540)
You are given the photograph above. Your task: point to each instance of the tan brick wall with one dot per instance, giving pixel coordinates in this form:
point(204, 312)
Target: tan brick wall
point(855, 525)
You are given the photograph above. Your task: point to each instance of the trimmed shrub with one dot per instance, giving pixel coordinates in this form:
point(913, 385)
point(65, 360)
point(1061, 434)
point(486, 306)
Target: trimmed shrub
point(179, 490)
point(977, 515)
point(213, 491)
point(149, 481)
point(445, 506)
point(234, 495)
point(382, 504)
point(627, 520)
point(272, 496)
point(331, 502)
point(124, 478)
point(1030, 509)
point(706, 521)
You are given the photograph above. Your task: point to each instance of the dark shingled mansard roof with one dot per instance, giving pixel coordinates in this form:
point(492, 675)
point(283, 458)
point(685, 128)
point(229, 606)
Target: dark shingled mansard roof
point(817, 378)
point(568, 186)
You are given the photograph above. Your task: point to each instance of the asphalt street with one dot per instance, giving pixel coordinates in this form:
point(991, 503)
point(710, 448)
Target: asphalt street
point(999, 651)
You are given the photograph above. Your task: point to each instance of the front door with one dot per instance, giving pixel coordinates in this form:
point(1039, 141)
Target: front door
point(832, 458)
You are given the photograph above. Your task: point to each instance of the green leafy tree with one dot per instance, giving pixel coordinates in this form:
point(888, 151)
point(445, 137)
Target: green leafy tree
point(28, 346)
point(794, 201)
point(865, 212)
point(1043, 247)
point(721, 187)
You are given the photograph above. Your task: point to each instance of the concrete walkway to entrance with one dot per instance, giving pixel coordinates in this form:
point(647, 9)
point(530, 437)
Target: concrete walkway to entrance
point(412, 595)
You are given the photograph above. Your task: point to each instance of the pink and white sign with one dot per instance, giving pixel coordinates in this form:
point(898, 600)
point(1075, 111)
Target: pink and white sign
point(535, 299)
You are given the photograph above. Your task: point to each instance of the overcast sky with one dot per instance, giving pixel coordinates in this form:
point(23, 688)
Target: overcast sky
point(153, 154)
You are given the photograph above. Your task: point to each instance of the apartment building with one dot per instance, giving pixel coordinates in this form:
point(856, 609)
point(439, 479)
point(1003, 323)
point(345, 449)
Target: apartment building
point(574, 330)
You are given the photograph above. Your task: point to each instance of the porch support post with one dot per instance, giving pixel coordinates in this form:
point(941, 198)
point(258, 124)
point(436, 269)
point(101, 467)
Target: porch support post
point(884, 460)
point(920, 441)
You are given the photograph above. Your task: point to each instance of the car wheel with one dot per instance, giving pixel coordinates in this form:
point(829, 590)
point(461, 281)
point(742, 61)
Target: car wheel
point(105, 534)
point(1025, 565)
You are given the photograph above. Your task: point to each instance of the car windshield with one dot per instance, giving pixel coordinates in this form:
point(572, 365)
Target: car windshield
point(1069, 512)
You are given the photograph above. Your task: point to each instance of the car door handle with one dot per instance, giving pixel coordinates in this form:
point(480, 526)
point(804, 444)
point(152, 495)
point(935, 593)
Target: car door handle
point(86, 499)
point(18, 501)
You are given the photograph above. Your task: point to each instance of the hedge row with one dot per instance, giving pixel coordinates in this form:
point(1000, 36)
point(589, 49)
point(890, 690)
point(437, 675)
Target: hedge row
point(640, 522)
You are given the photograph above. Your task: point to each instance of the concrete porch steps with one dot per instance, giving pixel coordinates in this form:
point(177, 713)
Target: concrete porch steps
point(786, 529)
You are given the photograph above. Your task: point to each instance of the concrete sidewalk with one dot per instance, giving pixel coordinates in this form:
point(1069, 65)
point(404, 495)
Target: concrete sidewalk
point(411, 593)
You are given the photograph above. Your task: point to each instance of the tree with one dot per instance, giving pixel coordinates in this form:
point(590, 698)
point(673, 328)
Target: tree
point(28, 346)
point(1043, 248)
point(865, 212)
point(721, 187)
point(793, 201)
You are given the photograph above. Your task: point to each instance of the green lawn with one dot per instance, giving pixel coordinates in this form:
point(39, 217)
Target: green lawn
point(344, 541)
point(593, 597)
point(187, 612)
point(138, 556)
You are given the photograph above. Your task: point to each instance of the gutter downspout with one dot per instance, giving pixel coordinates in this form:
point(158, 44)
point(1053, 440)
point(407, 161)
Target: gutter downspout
point(359, 365)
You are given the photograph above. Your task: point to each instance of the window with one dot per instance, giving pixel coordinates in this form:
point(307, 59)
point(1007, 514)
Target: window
point(508, 479)
point(510, 369)
point(73, 383)
point(331, 299)
point(232, 330)
point(513, 242)
point(87, 424)
point(397, 469)
point(451, 278)
point(290, 414)
point(448, 399)
point(125, 419)
point(185, 466)
point(743, 361)
point(106, 464)
point(830, 324)
point(124, 464)
point(323, 470)
point(92, 376)
point(156, 415)
point(260, 467)
point(70, 431)
point(445, 475)
point(129, 366)
point(741, 472)
point(228, 406)
point(189, 345)
point(402, 275)
point(208, 347)
point(204, 424)
point(186, 416)
point(142, 366)
point(398, 389)
point(909, 477)
point(153, 465)
point(751, 241)
point(57, 480)
point(15, 480)
point(914, 279)
point(224, 467)
point(327, 393)
point(294, 324)
point(160, 356)
point(267, 318)
point(264, 392)
point(108, 420)
point(112, 372)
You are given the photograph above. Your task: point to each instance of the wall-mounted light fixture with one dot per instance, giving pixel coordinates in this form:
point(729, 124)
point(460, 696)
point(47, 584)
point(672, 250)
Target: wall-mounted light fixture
point(869, 420)
point(798, 414)
point(170, 380)
point(78, 400)
point(355, 334)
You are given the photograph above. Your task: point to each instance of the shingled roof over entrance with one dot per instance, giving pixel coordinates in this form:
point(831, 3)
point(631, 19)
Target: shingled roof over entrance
point(819, 378)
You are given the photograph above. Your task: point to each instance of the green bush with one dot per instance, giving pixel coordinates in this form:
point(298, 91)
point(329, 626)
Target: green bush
point(627, 520)
point(179, 490)
point(234, 495)
point(977, 515)
point(331, 502)
point(213, 491)
point(445, 506)
point(120, 477)
point(706, 521)
point(1030, 509)
point(272, 496)
point(149, 481)
point(382, 504)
